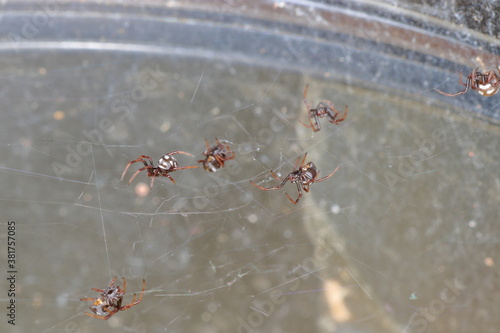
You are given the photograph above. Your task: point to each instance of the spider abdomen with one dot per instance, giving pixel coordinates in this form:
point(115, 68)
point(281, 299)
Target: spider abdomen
point(306, 178)
point(167, 163)
point(322, 110)
point(308, 173)
point(211, 164)
point(216, 155)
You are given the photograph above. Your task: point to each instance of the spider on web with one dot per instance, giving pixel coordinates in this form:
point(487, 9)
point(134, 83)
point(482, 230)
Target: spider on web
point(110, 300)
point(303, 175)
point(166, 164)
point(486, 84)
point(323, 109)
point(216, 155)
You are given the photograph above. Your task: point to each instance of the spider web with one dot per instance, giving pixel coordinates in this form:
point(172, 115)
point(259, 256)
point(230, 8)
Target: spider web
point(396, 240)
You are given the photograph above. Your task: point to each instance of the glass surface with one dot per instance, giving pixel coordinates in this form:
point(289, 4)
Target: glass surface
point(401, 238)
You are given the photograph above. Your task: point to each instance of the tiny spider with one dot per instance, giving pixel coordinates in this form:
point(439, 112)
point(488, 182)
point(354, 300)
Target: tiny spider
point(324, 109)
point(166, 164)
point(302, 174)
point(486, 84)
point(216, 156)
point(110, 300)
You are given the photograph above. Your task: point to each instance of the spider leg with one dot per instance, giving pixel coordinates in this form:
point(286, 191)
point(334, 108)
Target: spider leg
point(490, 77)
point(304, 124)
point(476, 78)
point(139, 159)
point(86, 299)
point(270, 188)
point(180, 152)
point(101, 317)
point(494, 78)
point(98, 290)
point(142, 291)
point(149, 167)
point(126, 168)
point(207, 151)
point(460, 78)
point(333, 117)
point(124, 284)
point(326, 177)
point(134, 301)
point(169, 177)
point(313, 114)
point(304, 98)
point(221, 160)
point(113, 280)
point(298, 198)
point(452, 95)
point(467, 85)
point(316, 126)
point(297, 166)
point(187, 167)
point(229, 154)
point(153, 177)
point(310, 113)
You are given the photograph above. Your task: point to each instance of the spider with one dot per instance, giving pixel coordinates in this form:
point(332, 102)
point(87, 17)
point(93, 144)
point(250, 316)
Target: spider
point(110, 300)
point(302, 174)
point(324, 109)
point(216, 156)
point(166, 164)
point(486, 84)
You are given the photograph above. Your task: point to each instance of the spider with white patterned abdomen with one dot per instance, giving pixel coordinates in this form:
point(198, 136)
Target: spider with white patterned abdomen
point(486, 84)
point(166, 164)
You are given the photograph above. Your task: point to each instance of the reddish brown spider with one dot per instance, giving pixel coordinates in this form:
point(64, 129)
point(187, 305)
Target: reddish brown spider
point(216, 156)
point(166, 164)
point(324, 109)
point(302, 174)
point(486, 84)
point(110, 300)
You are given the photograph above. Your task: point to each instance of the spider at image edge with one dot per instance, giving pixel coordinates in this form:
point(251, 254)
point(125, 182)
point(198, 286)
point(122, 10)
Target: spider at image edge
point(487, 83)
point(303, 175)
point(110, 300)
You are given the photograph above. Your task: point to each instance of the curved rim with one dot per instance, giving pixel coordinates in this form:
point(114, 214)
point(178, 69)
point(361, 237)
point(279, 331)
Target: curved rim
point(375, 22)
point(295, 35)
